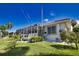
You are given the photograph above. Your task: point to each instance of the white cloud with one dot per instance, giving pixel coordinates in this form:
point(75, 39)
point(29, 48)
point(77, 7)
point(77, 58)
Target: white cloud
point(45, 20)
point(52, 14)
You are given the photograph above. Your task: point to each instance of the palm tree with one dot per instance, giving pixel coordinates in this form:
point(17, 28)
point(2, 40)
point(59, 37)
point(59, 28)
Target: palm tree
point(8, 25)
point(5, 27)
point(2, 29)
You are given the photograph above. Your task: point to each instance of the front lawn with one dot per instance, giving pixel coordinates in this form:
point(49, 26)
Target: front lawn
point(39, 49)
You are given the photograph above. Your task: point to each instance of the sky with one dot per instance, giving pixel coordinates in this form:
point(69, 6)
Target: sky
point(24, 14)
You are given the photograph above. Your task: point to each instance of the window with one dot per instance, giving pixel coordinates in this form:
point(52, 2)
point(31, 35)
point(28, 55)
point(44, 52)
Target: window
point(32, 31)
point(49, 30)
point(62, 27)
point(52, 30)
point(35, 31)
point(25, 36)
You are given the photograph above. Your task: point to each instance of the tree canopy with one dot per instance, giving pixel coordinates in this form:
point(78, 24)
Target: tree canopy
point(73, 23)
point(6, 26)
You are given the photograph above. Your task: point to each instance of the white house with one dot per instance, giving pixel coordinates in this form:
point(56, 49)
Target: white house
point(49, 30)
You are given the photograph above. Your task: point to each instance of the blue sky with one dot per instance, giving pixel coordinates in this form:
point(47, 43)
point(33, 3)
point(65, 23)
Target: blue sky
point(24, 14)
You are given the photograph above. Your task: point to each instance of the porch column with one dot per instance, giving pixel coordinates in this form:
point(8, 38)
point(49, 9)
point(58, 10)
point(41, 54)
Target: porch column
point(46, 30)
point(37, 30)
point(57, 29)
point(58, 32)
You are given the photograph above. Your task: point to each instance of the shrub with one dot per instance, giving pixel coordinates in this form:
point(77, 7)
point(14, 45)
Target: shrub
point(36, 39)
point(63, 35)
point(10, 36)
point(13, 40)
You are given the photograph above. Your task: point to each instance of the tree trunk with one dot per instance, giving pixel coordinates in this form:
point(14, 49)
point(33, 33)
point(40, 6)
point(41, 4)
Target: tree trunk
point(76, 46)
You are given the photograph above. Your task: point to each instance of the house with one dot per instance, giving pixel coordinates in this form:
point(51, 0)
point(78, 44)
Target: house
point(49, 30)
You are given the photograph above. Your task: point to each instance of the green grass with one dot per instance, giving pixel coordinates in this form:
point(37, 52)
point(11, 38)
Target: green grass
point(37, 49)
point(46, 48)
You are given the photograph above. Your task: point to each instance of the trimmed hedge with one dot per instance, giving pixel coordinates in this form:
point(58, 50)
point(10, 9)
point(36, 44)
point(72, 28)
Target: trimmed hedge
point(36, 39)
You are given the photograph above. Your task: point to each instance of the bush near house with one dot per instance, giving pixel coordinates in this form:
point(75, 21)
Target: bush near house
point(36, 39)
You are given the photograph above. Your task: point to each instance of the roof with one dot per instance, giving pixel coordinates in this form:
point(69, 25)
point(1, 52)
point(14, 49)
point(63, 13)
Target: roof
point(51, 22)
point(58, 21)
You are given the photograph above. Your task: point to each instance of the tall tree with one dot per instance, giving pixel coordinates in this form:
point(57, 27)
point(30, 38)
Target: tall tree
point(9, 25)
point(5, 27)
point(2, 29)
point(70, 37)
point(73, 23)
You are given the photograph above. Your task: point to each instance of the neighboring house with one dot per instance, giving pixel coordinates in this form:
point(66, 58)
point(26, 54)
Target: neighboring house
point(50, 30)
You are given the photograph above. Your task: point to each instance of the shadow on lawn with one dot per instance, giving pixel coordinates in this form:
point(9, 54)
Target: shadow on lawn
point(18, 51)
point(59, 52)
point(63, 47)
point(54, 54)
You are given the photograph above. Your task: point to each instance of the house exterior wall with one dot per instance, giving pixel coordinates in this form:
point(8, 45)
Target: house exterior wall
point(60, 26)
point(53, 37)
